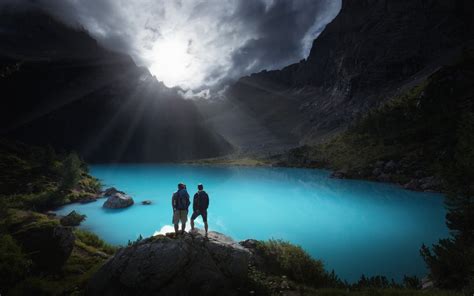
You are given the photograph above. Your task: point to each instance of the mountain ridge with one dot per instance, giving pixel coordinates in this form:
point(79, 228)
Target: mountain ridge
point(359, 61)
point(75, 95)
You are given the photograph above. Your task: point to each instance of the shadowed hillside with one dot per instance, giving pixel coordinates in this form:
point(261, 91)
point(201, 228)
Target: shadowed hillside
point(60, 88)
point(372, 51)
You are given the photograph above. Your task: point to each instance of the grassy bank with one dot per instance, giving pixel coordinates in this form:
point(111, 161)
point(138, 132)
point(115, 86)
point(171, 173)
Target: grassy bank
point(38, 255)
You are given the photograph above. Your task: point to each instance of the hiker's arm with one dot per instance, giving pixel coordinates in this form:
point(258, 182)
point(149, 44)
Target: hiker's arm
point(173, 201)
point(195, 202)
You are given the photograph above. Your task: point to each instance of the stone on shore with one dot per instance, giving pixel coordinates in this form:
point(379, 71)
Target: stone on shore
point(111, 191)
point(72, 219)
point(118, 200)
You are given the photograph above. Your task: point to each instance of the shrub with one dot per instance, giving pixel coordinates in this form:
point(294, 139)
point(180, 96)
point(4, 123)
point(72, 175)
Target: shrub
point(294, 262)
point(451, 261)
point(411, 282)
point(93, 240)
point(70, 172)
point(14, 265)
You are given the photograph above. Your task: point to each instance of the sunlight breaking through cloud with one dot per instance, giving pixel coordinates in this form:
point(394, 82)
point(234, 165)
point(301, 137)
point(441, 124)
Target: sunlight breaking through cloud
point(198, 45)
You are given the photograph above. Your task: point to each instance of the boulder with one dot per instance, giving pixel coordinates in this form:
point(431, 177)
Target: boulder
point(118, 201)
point(189, 264)
point(377, 171)
point(384, 177)
point(146, 202)
point(46, 242)
point(379, 164)
point(111, 191)
point(390, 166)
point(341, 174)
point(88, 199)
point(412, 185)
point(72, 219)
point(430, 183)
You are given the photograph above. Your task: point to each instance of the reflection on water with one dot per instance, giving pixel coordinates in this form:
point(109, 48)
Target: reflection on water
point(354, 226)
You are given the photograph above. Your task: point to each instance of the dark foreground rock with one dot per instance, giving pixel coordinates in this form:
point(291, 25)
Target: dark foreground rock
point(72, 219)
point(163, 265)
point(47, 243)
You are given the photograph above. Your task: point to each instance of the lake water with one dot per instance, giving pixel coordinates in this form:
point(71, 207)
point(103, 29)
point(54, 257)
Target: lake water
point(354, 227)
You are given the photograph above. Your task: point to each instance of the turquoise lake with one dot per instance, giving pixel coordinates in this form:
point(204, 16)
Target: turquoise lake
point(354, 227)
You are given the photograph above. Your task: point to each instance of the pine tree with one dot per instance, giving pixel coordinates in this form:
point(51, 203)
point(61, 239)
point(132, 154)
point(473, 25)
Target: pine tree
point(451, 261)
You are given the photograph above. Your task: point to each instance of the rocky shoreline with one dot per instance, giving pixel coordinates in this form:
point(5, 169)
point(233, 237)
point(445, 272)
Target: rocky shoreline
point(395, 172)
point(187, 264)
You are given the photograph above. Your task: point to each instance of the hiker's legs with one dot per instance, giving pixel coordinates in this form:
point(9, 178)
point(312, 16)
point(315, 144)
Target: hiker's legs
point(176, 221)
point(176, 228)
point(204, 219)
point(184, 219)
point(193, 217)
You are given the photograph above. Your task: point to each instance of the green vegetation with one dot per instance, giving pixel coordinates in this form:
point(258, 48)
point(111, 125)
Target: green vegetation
point(419, 130)
point(135, 242)
point(39, 179)
point(233, 161)
point(14, 264)
point(292, 261)
point(90, 239)
point(428, 130)
point(33, 260)
point(286, 267)
point(72, 280)
point(376, 292)
point(451, 261)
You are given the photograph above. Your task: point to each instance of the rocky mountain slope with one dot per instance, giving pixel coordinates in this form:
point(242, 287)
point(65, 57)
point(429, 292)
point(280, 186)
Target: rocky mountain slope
point(60, 87)
point(417, 139)
point(372, 51)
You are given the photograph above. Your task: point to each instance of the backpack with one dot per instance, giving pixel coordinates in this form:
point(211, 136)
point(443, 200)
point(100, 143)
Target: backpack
point(201, 201)
point(182, 200)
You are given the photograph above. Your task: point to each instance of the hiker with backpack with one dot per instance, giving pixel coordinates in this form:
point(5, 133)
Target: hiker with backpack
point(200, 205)
point(180, 203)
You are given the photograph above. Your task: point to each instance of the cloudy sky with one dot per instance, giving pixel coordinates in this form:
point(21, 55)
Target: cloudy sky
point(198, 44)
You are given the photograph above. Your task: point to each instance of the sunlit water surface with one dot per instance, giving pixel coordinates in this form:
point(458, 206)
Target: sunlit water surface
point(355, 227)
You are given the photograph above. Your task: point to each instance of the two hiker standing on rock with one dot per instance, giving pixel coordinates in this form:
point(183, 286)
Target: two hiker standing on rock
point(180, 203)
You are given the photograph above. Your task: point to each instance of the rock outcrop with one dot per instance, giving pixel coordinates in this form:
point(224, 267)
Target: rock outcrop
point(72, 219)
point(111, 191)
point(47, 243)
point(118, 200)
point(163, 265)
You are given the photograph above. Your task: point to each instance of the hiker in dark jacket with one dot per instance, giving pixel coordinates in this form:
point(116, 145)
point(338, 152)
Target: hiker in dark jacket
point(180, 203)
point(200, 205)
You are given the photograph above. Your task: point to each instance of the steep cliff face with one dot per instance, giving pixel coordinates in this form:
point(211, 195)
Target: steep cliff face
point(368, 53)
point(60, 87)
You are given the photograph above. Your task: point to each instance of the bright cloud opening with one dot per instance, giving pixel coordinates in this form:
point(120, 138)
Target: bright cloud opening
point(171, 61)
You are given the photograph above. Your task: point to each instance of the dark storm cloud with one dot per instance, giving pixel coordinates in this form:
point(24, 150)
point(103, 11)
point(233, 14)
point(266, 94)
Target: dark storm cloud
point(222, 39)
point(281, 29)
